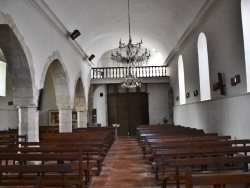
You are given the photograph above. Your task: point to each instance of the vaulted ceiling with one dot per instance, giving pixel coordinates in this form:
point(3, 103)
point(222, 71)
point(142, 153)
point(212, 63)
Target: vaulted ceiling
point(160, 23)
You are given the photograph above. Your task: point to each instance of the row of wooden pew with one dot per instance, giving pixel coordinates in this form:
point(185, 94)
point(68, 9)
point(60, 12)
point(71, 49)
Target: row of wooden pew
point(57, 160)
point(189, 156)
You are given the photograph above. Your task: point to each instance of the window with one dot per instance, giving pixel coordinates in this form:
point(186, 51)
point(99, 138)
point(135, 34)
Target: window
point(245, 13)
point(205, 91)
point(181, 80)
point(2, 78)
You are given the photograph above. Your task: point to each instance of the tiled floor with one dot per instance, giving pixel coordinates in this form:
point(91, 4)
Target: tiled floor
point(124, 167)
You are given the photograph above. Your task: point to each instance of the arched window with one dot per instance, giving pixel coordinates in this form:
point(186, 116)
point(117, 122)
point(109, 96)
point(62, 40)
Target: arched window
point(181, 80)
point(2, 78)
point(205, 91)
point(245, 13)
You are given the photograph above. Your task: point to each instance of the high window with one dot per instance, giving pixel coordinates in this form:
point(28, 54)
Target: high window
point(2, 78)
point(181, 80)
point(205, 92)
point(245, 13)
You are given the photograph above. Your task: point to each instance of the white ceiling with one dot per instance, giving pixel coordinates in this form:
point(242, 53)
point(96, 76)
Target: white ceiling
point(160, 23)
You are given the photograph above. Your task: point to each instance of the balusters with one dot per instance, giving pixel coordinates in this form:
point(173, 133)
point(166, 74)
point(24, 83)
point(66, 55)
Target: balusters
point(92, 73)
point(114, 71)
point(119, 72)
point(163, 71)
point(104, 73)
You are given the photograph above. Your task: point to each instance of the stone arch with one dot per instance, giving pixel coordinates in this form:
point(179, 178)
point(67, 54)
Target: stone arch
point(19, 62)
point(79, 99)
point(60, 78)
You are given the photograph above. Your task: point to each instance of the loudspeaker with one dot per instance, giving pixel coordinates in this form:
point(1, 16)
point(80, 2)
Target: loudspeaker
point(40, 100)
point(91, 57)
point(75, 34)
point(221, 84)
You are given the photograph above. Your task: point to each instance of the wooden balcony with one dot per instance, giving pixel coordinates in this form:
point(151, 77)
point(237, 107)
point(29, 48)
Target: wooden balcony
point(119, 72)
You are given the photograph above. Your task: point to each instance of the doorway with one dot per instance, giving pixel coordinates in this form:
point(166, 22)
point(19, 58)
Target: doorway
point(129, 109)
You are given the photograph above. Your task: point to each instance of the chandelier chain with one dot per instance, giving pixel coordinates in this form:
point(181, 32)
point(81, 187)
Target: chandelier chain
point(130, 57)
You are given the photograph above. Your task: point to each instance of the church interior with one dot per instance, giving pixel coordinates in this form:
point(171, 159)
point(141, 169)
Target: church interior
point(124, 93)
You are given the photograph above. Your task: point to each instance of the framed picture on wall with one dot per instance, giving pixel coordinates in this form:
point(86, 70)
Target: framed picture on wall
point(54, 117)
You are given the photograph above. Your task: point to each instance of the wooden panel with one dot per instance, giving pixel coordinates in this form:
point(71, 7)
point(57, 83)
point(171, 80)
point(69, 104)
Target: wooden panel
point(134, 112)
point(144, 108)
point(112, 110)
point(122, 114)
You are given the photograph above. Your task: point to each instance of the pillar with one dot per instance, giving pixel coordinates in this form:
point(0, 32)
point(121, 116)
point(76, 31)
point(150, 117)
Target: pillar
point(28, 123)
point(65, 120)
point(82, 119)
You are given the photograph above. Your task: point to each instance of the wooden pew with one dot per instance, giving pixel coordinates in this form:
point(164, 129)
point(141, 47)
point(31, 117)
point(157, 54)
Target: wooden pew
point(161, 156)
point(91, 160)
point(141, 128)
point(165, 147)
point(48, 129)
point(28, 175)
point(172, 132)
point(144, 138)
point(183, 139)
point(98, 147)
point(207, 165)
point(77, 179)
point(106, 136)
point(79, 138)
point(194, 144)
point(11, 139)
point(217, 179)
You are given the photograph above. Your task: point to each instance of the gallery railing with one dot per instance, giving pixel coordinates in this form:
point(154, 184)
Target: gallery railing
point(119, 72)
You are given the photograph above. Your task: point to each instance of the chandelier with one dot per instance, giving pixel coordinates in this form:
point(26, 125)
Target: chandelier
point(130, 59)
point(130, 81)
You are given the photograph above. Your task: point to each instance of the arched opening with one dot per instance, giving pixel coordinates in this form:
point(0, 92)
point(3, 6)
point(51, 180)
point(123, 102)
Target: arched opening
point(205, 92)
point(20, 89)
point(56, 98)
point(8, 112)
point(181, 77)
point(80, 102)
point(80, 106)
point(245, 7)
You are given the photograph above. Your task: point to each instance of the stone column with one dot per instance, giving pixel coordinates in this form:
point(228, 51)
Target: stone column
point(65, 120)
point(82, 119)
point(28, 123)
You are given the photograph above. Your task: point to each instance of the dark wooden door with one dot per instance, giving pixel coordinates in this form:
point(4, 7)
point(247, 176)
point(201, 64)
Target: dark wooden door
point(144, 109)
point(122, 114)
point(133, 106)
point(112, 109)
point(128, 110)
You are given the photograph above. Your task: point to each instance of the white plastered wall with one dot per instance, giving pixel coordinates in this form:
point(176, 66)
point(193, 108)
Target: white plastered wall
point(100, 104)
point(157, 102)
point(227, 115)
